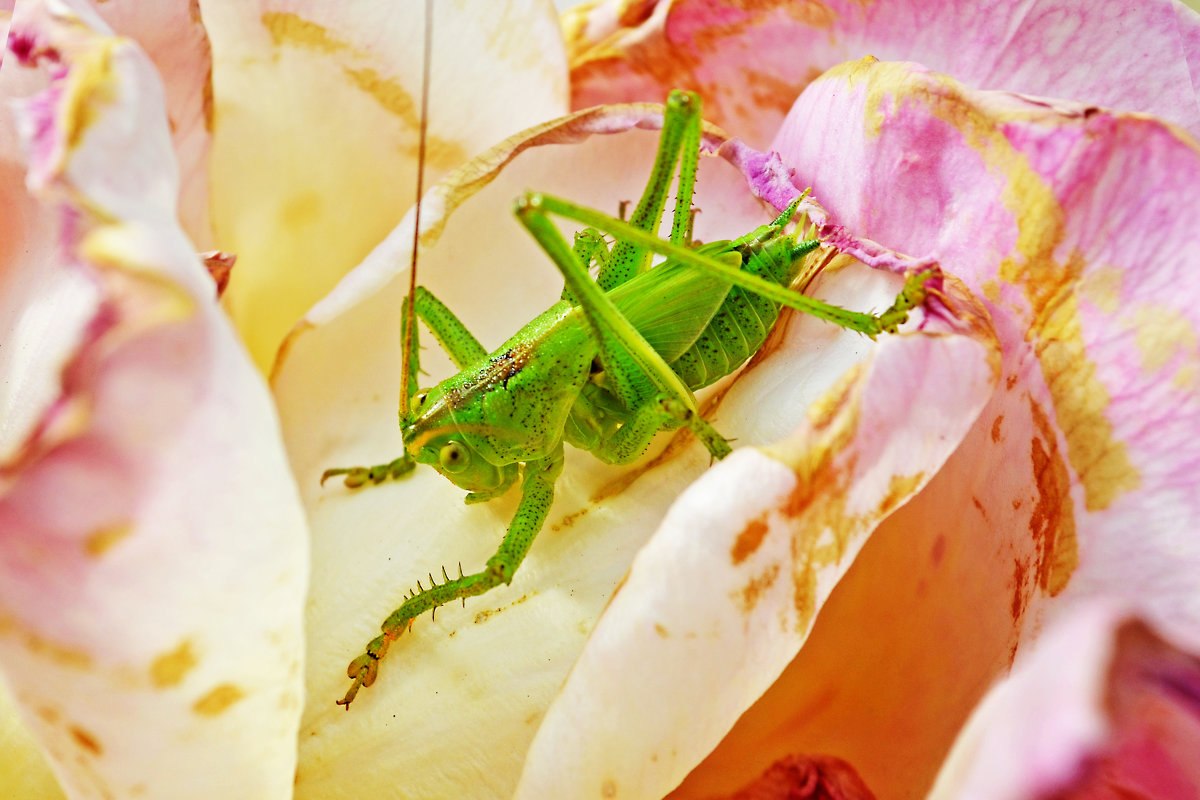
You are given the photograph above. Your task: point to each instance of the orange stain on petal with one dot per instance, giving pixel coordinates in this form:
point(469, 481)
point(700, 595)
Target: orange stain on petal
point(170, 668)
point(103, 540)
point(218, 700)
point(749, 540)
point(1052, 522)
point(753, 591)
point(86, 740)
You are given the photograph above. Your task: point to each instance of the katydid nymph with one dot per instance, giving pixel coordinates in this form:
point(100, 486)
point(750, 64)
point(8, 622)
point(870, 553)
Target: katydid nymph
point(612, 363)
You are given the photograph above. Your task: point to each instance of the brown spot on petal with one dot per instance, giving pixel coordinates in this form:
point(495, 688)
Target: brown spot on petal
point(749, 540)
point(103, 540)
point(218, 700)
point(570, 519)
point(661, 630)
point(1052, 522)
point(1020, 595)
point(169, 669)
point(86, 740)
point(608, 788)
point(753, 591)
point(804, 596)
point(938, 552)
point(996, 426)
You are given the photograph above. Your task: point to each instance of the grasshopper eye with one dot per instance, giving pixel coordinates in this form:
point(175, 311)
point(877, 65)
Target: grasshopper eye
point(454, 457)
point(419, 400)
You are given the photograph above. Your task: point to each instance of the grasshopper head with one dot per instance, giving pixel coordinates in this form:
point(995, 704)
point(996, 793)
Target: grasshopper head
point(435, 438)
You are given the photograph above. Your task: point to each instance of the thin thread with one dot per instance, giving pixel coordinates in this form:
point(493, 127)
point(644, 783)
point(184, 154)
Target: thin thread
point(416, 243)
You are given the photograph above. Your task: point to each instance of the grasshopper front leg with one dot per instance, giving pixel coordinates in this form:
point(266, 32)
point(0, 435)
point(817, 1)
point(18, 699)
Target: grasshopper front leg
point(537, 494)
point(463, 349)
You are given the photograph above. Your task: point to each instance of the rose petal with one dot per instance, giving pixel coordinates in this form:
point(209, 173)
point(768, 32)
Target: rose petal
point(24, 772)
point(1008, 523)
point(174, 38)
point(317, 114)
point(1079, 227)
point(750, 62)
point(472, 685)
point(743, 562)
point(1101, 707)
point(152, 546)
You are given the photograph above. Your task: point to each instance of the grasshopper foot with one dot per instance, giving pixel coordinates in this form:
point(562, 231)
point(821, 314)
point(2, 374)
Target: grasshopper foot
point(364, 669)
point(912, 295)
point(360, 476)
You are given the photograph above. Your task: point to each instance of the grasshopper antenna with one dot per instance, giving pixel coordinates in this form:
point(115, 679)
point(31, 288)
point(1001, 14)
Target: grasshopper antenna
point(422, 135)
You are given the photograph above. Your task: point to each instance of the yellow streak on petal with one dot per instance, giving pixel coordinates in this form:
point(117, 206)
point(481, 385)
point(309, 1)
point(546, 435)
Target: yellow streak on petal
point(103, 540)
point(90, 86)
point(170, 668)
point(1162, 335)
point(1187, 379)
point(1101, 286)
point(218, 700)
point(288, 28)
point(1051, 287)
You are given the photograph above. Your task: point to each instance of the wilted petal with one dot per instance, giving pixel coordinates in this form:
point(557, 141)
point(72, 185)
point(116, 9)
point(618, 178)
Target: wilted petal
point(751, 60)
point(1101, 707)
point(152, 545)
point(317, 111)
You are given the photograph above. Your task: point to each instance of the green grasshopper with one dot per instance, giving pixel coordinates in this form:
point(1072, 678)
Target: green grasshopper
point(615, 361)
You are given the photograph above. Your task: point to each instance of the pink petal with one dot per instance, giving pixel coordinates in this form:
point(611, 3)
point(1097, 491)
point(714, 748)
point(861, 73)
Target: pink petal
point(173, 36)
point(750, 62)
point(152, 547)
point(1102, 707)
point(1079, 228)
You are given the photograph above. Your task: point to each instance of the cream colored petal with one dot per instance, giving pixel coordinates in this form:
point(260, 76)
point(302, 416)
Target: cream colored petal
point(153, 551)
point(316, 115)
point(459, 699)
